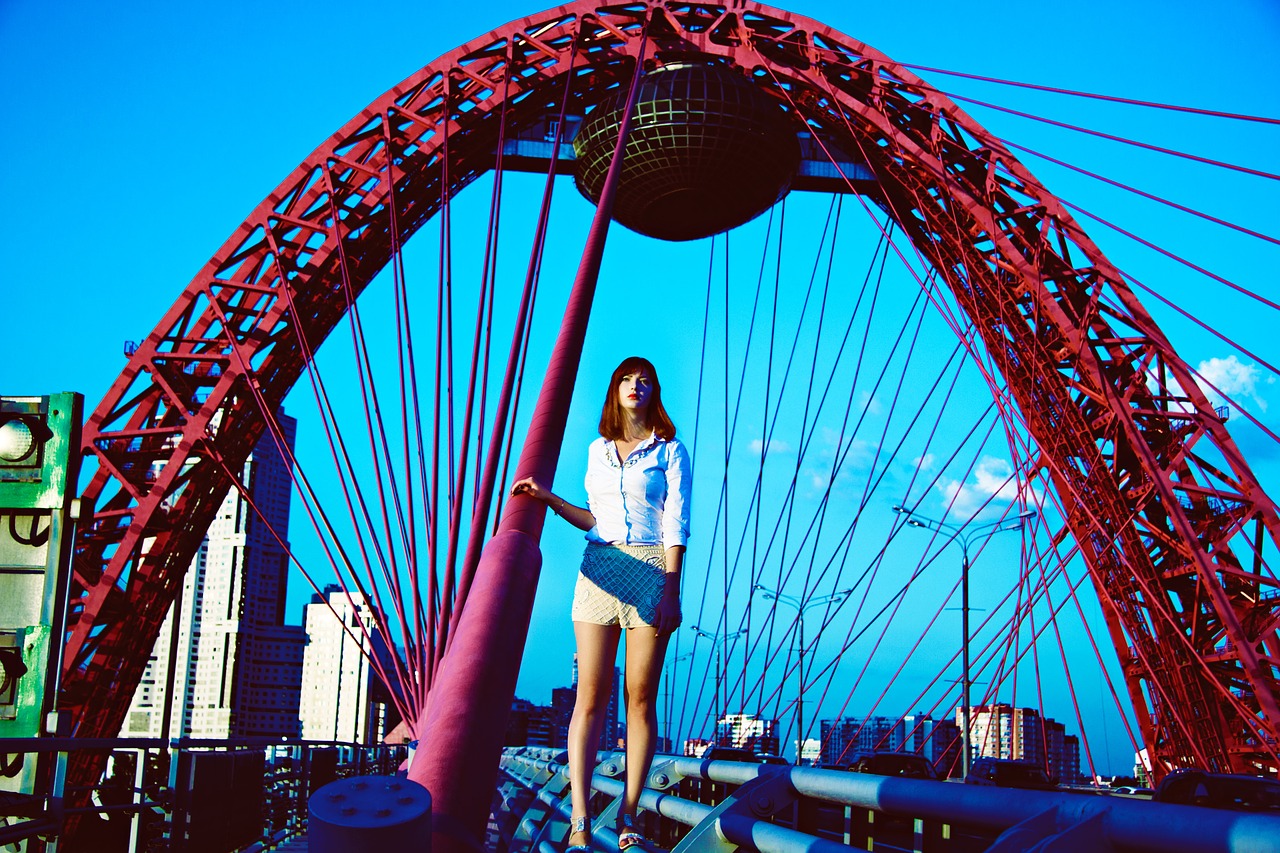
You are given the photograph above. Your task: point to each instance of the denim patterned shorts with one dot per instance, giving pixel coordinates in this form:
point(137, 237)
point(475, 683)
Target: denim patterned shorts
point(619, 585)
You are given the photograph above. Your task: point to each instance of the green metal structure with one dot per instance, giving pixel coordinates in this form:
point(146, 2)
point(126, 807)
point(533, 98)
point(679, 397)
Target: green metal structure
point(39, 466)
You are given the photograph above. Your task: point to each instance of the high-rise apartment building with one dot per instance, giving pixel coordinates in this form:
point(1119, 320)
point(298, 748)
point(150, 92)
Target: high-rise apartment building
point(341, 695)
point(1066, 769)
point(747, 731)
point(936, 740)
point(847, 736)
point(234, 668)
point(1002, 731)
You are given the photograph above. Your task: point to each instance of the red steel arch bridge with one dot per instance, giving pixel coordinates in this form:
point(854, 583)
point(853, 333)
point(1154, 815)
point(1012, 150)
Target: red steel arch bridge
point(1151, 493)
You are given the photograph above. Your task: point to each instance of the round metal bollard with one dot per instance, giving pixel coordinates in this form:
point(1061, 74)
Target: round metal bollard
point(369, 814)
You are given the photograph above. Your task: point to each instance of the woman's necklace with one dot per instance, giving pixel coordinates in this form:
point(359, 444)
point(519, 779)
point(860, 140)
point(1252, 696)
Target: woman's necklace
point(626, 447)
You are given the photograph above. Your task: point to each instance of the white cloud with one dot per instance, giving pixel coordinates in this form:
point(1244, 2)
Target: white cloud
point(855, 456)
point(853, 453)
point(992, 476)
point(774, 446)
point(871, 405)
point(1233, 378)
point(925, 463)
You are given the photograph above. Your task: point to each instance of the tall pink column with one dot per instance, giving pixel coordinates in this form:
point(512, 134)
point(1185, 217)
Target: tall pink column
point(466, 719)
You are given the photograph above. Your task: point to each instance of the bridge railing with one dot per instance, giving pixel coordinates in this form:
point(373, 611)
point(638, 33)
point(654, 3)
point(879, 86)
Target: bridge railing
point(183, 796)
point(695, 806)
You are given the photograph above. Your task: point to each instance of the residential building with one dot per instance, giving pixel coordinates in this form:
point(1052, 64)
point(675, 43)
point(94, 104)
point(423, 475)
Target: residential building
point(695, 746)
point(843, 738)
point(747, 731)
point(1003, 731)
point(937, 740)
point(341, 699)
point(224, 664)
point(810, 751)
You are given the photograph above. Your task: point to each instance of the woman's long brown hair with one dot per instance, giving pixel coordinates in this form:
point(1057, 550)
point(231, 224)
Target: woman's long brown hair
point(611, 420)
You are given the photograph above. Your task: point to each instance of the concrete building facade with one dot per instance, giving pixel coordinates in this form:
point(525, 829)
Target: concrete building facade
point(232, 666)
point(747, 731)
point(1003, 731)
point(341, 699)
point(936, 740)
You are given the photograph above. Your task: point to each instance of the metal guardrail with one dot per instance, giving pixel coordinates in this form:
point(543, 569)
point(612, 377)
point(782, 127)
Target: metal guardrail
point(186, 795)
point(695, 806)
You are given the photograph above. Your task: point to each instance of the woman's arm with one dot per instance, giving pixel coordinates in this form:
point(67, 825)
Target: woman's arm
point(579, 516)
point(675, 510)
point(675, 532)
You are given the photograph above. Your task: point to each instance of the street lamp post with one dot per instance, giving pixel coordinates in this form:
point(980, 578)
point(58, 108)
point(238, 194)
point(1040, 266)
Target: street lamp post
point(801, 604)
point(667, 679)
point(966, 536)
point(719, 642)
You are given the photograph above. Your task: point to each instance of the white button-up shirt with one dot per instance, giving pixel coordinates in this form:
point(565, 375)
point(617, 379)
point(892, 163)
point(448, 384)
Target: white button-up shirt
point(642, 501)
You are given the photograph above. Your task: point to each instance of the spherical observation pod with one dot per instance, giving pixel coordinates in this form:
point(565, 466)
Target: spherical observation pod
point(708, 151)
point(1121, 451)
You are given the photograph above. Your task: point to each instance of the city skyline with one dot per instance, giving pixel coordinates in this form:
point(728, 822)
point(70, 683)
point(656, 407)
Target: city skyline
point(130, 99)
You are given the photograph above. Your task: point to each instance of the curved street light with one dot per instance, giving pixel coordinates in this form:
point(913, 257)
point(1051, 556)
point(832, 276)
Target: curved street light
point(667, 678)
point(965, 535)
point(801, 604)
point(719, 642)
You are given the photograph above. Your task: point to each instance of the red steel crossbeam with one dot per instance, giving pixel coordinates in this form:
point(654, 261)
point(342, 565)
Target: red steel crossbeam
point(1168, 514)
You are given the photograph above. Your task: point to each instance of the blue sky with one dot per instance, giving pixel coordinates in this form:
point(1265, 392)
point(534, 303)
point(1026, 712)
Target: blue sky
point(136, 137)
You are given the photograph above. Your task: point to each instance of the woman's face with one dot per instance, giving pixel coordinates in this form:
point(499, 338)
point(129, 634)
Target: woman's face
point(635, 390)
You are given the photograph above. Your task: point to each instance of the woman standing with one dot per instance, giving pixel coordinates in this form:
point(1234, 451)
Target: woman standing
point(637, 523)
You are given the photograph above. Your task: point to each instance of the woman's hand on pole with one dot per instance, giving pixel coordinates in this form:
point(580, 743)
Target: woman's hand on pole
point(531, 487)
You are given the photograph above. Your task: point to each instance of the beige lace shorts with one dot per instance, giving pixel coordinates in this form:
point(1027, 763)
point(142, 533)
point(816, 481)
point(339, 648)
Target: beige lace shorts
point(619, 585)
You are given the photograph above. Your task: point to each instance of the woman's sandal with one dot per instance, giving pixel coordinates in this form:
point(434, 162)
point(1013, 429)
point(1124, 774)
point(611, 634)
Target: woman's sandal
point(580, 824)
point(628, 837)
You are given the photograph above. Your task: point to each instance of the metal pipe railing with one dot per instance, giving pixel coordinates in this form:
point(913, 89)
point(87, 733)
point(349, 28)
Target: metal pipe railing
point(153, 789)
point(1125, 823)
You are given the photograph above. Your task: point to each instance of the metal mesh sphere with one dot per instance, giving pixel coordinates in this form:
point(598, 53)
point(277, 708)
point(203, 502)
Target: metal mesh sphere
point(708, 151)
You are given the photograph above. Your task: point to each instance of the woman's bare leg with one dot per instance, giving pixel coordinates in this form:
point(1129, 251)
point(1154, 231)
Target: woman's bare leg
point(597, 652)
point(646, 650)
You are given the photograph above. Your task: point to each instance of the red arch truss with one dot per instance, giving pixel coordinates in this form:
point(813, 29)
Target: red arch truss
point(1174, 527)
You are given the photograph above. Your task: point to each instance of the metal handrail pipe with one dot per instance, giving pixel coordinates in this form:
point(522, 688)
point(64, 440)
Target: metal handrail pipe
point(741, 829)
point(551, 800)
point(731, 772)
point(752, 833)
point(1134, 824)
point(18, 832)
point(534, 762)
point(1137, 825)
point(41, 745)
point(35, 745)
point(602, 837)
point(680, 810)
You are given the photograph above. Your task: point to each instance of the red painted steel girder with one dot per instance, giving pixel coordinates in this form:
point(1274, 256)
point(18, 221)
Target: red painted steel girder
point(1159, 497)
